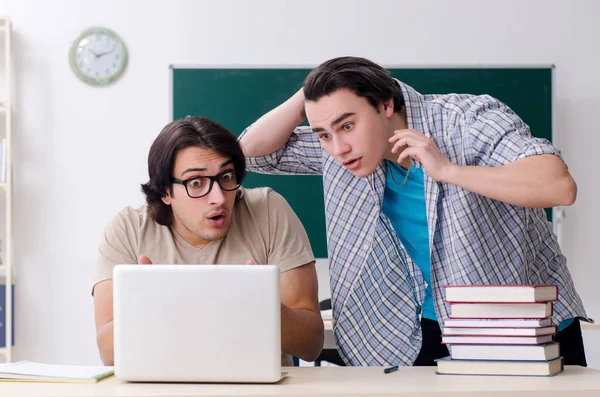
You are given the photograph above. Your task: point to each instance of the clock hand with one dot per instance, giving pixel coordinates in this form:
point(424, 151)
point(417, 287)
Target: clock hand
point(104, 53)
point(92, 51)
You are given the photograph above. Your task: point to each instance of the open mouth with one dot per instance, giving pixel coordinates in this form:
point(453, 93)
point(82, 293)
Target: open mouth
point(217, 220)
point(352, 164)
point(216, 217)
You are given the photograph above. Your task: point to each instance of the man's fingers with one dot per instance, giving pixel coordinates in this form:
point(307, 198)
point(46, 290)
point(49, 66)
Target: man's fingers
point(407, 141)
point(250, 262)
point(412, 152)
point(399, 145)
point(407, 134)
point(144, 260)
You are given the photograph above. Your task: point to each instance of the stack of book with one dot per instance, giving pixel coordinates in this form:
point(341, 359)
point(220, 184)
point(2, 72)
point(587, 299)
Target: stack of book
point(501, 330)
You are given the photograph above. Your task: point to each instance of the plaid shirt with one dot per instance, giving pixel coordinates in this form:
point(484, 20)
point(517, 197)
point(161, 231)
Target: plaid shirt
point(377, 290)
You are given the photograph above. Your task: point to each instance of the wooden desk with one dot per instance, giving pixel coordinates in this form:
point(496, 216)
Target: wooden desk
point(587, 326)
point(336, 381)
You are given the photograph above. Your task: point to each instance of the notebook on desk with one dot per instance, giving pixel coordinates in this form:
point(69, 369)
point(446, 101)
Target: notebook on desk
point(197, 323)
point(26, 371)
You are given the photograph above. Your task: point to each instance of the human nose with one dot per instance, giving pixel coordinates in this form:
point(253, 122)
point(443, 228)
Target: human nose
point(216, 194)
point(340, 147)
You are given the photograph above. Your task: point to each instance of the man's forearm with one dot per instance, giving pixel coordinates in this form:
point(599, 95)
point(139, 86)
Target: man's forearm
point(105, 340)
point(301, 333)
point(273, 130)
point(532, 182)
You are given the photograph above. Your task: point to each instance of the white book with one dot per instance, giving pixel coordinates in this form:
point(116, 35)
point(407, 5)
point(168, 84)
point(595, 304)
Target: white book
point(37, 372)
point(548, 351)
point(498, 322)
point(447, 366)
point(500, 310)
point(501, 293)
point(497, 340)
point(453, 331)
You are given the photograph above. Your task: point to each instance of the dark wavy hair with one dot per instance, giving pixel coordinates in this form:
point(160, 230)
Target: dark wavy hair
point(176, 136)
point(361, 76)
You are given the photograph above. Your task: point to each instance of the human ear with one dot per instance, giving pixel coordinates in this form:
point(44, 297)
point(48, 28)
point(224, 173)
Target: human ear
point(388, 107)
point(166, 199)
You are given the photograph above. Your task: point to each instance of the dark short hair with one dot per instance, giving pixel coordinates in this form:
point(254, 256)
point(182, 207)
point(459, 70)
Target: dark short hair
point(364, 78)
point(176, 136)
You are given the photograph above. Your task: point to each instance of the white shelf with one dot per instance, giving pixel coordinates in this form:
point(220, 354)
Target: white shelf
point(13, 278)
point(3, 273)
point(6, 353)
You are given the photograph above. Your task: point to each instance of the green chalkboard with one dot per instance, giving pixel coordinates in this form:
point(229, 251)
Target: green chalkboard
point(236, 97)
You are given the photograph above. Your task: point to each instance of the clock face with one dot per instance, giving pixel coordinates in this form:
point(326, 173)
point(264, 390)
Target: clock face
point(98, 56)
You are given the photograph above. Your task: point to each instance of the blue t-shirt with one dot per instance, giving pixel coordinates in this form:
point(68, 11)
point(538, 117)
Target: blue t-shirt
point(404, 205)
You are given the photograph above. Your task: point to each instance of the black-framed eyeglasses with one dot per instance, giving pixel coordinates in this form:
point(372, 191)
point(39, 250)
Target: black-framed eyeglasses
point(200, 186)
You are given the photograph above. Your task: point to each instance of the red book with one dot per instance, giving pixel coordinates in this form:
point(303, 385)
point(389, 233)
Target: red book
point(500, 310)
point(466, 331)
point(497, 340)
point(498, 322)
point(501, 293)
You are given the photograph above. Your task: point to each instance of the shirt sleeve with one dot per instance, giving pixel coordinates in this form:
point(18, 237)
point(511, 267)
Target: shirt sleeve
point(497, 135)
point(289, 246)
point(117, 246)
point(302, 155)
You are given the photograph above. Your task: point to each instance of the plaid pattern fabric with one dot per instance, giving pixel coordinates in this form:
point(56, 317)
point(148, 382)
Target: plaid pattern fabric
point(377, 290)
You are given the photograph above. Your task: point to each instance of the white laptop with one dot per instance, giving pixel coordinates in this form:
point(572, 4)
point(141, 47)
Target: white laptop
point(197, 323)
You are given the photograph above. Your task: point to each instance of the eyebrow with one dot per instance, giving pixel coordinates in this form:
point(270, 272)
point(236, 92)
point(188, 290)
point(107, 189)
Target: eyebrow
point(335, 122)
point(196, 169)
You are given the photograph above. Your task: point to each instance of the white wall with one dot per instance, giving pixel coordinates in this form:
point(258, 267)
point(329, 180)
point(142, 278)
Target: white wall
point(81, 151)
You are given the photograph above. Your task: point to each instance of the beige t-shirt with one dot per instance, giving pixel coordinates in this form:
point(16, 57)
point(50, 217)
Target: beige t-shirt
point(264, 228)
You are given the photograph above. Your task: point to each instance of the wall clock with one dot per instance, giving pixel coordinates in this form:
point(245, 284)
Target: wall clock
point(98, 56)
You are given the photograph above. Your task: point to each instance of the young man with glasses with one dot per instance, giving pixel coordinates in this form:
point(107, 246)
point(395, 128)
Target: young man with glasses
point(196, 212)
point(421, 191)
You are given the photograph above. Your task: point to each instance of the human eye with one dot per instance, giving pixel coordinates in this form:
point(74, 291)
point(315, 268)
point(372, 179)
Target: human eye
point(228, 176)
point(347, 126)
point(325, 136)
point(196, 182)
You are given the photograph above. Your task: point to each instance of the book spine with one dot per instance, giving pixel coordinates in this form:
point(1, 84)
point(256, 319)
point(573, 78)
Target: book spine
point(3, 316)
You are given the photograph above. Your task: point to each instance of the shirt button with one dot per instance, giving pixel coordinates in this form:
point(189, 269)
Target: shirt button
point(347, 285)
point(366, 247)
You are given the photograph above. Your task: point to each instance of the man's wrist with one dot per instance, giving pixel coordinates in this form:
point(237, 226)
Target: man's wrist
point(298, 103)
point(452, 174)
